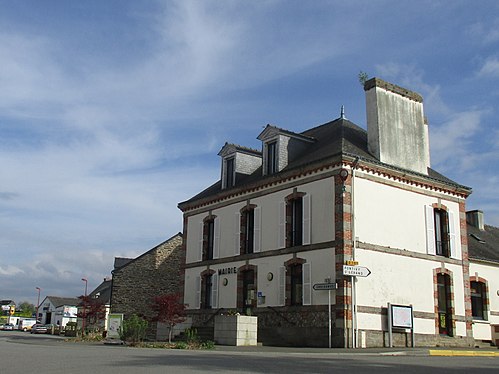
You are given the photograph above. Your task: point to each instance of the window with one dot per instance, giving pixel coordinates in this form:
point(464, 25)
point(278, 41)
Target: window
point(229, 180)
point(209, 291)
point(444, 304)
point(248, 222)
point(207, 287)
point(249, 231)
point(296, 226)
point(296, 279)
point(478, 298)
point(271, 158)
point(440, 232)
point(294, 220)
point(209, 241)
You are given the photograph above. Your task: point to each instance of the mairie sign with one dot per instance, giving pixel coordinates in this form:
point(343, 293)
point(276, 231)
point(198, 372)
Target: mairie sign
point(325, 286)
point(356, 271)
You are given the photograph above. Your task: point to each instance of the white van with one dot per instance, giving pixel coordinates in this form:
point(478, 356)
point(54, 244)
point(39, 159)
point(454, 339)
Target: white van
point(26, 323)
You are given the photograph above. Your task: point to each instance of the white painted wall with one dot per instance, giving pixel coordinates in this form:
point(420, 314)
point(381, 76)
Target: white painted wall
point(322, 219)
point(403, 280)
point(482, 329)
point(393, 217)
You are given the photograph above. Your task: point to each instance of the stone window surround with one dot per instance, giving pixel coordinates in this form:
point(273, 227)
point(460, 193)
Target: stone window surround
point(445, 271)
point(485, 296)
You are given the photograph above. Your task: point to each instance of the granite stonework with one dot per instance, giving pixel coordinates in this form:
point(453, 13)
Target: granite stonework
point(154, 273)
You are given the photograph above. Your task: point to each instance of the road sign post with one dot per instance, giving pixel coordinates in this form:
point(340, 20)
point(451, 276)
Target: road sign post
point(327, 286)
point(356, 271)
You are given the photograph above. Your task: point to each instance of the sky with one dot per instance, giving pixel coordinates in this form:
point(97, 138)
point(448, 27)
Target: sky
point(113, 111)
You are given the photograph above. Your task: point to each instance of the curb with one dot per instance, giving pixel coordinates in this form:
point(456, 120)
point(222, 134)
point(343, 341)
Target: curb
point(452, 353)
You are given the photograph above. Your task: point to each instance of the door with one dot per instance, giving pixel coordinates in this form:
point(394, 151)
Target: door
point(444, 305)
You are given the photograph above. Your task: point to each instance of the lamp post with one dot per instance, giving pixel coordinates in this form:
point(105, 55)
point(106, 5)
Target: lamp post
point(84, 307)
point(37, 303)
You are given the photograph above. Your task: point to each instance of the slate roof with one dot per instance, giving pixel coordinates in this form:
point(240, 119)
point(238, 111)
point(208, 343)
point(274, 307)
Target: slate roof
point(331, 140)
point(121, 261)
point(61, 301)
point(483, 245)
point(102, 292)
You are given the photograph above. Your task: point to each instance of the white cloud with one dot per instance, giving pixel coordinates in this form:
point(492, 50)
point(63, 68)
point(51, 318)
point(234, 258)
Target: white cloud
point(490, 68)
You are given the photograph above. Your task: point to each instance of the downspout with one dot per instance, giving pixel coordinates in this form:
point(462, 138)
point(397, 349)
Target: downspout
point(354, 279)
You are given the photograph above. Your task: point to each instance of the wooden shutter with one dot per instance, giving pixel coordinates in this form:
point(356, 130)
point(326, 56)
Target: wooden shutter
point(237, 234)
point(281, 295)
point(201, 241)
point(307, 284)
point(216, 239)
point(306, 219)
point(430, 230)
point(214, 290)
point(197, 296)
point(281, 234)
point(452, 234)
point(257, 229)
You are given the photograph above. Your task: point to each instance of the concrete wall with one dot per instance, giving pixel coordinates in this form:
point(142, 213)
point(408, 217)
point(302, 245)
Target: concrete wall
point(397, 132)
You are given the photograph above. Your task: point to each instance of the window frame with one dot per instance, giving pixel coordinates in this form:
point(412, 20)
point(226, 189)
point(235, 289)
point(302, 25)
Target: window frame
point(478, 299)
point(271, 158)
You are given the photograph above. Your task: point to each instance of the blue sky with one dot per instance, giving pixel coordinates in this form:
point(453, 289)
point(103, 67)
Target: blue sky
point(112, 112)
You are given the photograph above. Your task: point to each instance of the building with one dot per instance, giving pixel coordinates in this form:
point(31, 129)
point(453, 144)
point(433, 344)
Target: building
point(291, 215)
point(483, 242)
point(137, 281)
point(97, 310)
point(58, 310)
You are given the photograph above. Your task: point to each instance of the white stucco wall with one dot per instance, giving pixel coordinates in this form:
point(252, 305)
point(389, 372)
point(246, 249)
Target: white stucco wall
point(489, 272)
point(403, 280)
point(393, 217)
point(322, 219)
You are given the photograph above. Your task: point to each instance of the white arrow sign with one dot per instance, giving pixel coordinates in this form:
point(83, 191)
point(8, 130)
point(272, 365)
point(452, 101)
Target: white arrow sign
point(356, 271)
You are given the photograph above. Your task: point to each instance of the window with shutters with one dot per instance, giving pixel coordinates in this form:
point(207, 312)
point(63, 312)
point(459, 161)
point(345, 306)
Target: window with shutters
point(210, 239)
point(296, 226)
point(206, 291)
point(248, 236)
point(440, 231)
point(298, 284)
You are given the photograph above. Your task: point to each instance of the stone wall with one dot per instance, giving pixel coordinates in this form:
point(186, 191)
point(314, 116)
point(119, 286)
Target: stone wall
point(156, 272)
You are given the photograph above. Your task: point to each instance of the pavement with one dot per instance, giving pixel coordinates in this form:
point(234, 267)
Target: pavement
point(272, 350)
point(423, 351)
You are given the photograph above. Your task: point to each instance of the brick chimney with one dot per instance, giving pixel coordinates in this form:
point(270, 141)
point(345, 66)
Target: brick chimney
point(396, 129)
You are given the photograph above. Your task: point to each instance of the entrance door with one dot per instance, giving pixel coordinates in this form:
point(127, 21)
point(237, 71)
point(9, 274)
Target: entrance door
point(249, 291)
point(444, 305)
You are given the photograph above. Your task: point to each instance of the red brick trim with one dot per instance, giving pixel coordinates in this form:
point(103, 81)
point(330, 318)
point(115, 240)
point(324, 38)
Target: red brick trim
point(240, 285)
point(450, 296)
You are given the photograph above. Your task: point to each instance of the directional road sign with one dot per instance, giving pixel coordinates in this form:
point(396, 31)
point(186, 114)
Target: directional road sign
point(325, 286)
point(356, 271)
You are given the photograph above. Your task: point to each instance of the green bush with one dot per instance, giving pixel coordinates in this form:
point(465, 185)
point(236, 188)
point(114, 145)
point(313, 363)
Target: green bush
point(181, 345)
point(133, 330)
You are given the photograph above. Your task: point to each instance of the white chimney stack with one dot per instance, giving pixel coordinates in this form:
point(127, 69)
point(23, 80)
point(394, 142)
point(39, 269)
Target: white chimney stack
point(396, 129)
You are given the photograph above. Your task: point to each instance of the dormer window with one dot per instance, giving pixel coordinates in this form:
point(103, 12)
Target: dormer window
point(271, 167)
point(230, 175)
point(238, 162)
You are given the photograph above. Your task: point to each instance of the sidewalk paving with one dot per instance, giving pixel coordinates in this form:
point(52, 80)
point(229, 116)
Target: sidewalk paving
point(418, 351)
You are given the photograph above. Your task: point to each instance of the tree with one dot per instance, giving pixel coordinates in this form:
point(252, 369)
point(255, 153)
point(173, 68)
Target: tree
point(133, 329)
point(169, 310)
point(363, 78)
point(27, 309)
point(93, 311)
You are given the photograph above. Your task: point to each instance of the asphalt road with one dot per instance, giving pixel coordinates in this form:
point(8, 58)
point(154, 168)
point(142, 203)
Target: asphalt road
point(26, 353)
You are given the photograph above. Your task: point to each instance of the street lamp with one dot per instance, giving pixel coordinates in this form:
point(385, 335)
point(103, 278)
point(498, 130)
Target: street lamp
point(38, 302)
point(84, 307)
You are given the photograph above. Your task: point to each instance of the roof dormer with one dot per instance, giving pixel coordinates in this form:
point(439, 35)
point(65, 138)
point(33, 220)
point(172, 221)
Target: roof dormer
point(238, 160)
point(279, 147)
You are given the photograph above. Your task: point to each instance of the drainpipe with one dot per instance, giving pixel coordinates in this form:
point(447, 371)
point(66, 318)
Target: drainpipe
point(354, 279)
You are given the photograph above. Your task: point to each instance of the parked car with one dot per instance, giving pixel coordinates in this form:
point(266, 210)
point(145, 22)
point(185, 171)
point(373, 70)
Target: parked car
point(8, 326)
point(38, 329)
